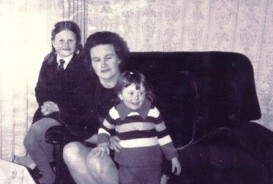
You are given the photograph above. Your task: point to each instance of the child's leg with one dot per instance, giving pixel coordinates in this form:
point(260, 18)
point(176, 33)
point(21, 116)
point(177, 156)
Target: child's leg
point(166, 171)
point(164, 179)
point(127, 175)
point(39, 150)
point(153, 175)
point(139, 175)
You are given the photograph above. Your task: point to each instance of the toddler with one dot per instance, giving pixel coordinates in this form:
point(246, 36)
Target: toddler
point(142, 132)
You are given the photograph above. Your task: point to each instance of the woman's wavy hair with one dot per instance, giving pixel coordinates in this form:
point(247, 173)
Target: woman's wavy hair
point(68, 25)
point(134, 77)
point(103, 38)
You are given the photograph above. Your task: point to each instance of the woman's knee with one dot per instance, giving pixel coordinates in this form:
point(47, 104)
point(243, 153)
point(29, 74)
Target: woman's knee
point(103, 169)
point(94, 164)
point(72, 152)
point(98, 165)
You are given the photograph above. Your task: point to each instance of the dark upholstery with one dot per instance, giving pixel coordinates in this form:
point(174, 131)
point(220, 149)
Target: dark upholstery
point(208, 89)
point(208, 100)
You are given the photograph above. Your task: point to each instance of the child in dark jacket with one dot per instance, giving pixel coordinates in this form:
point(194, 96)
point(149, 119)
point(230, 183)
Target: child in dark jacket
point(61, 95)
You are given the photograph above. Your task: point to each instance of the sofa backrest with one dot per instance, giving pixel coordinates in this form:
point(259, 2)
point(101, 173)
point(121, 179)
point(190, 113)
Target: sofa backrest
point(199, 91)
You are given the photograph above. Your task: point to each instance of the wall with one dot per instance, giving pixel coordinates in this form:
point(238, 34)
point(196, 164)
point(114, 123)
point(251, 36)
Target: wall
point(148, 25)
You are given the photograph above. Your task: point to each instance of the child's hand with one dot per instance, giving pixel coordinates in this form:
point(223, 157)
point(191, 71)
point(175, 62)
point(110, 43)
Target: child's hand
point(176, 167)
point(49, 107)
point(114, 143)
point(101, 150)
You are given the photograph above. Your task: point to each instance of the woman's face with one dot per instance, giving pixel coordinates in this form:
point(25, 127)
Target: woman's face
point(65, 43)
point(105, 62)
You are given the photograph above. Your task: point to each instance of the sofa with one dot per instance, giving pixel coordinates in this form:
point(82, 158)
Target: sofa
point(209, 103)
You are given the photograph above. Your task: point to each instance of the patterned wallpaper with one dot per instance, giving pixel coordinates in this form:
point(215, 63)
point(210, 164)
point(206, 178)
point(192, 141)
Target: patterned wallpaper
point(244, 26)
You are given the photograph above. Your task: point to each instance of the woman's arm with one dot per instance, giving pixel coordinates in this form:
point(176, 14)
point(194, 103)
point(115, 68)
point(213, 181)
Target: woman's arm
point(93, 139)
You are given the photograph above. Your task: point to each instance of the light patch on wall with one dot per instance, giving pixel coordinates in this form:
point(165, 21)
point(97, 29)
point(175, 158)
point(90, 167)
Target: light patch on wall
point(25, 40)
point(23, 45)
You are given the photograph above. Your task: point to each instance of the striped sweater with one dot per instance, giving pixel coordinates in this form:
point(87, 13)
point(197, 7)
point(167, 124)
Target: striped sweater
point(143, 135)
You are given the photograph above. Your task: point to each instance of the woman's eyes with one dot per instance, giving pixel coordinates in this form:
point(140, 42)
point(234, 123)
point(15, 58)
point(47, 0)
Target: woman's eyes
point(109, 57)
point(95, 60)
point(105, 59)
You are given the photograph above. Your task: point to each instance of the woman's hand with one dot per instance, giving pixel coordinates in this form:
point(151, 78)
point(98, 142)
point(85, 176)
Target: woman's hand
point(101, 150)
point(93, 139)
point(176, 167)
point(114, 143)
point(49, 107)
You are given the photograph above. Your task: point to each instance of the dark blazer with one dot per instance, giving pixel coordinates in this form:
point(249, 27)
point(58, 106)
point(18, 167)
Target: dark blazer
point(69, 89)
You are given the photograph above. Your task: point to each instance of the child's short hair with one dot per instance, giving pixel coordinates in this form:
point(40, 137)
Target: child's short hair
point(134, 77)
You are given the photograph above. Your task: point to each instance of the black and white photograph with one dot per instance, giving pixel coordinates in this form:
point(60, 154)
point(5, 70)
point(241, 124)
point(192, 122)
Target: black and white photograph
point(136, 92)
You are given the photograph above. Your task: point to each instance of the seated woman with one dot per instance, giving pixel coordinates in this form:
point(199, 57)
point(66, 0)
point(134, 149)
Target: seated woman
point(106, 51)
